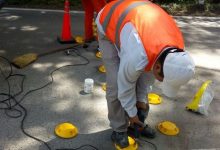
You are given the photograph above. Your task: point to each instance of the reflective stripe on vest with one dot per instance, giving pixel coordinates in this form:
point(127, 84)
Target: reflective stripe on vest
point(108, 17)
point(123, 15)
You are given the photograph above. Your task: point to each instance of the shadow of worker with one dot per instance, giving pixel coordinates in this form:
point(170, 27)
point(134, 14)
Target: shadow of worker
point(98, 140)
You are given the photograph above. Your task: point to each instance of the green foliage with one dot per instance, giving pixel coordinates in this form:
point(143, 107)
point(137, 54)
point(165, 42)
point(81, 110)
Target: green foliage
point(175, 1)
point(175, 7)
point(41, 2)
point(74, 4)
point(185, 1)
point(77, 2)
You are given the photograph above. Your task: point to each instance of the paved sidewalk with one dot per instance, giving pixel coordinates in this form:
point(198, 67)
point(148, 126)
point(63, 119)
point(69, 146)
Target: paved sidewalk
point(24, 31)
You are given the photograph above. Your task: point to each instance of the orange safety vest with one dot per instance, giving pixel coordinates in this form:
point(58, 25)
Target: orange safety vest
point(155, 27)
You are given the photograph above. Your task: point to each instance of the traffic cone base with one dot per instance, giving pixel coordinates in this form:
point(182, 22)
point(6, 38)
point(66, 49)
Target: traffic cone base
point(72, 40)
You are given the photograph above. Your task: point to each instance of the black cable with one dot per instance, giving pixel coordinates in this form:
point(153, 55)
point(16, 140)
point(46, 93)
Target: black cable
point(22, 123)
point(146, 141)
point(17, 103)
point(9, 89)
point(22, 82)
point(9, 64)
point(51, 75)
point(86, 145)
point(11, 107)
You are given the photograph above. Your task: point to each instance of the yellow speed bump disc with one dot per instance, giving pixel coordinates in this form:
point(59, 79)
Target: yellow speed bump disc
point(168, 128)
point(94, 28)
point(104, 86)
point(79, 39)
point(66, 130)
point(98, 54)
point(154, 98)
point(102, 69)
point(24, 60)
point(132, 145)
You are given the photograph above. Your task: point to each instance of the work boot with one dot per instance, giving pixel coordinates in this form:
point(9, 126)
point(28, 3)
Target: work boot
point(120, 139)
point(147, 131)
point(137, 131)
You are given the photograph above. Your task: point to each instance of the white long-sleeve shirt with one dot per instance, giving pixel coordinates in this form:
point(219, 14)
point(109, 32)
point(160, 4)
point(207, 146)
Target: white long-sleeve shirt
point(133, 60)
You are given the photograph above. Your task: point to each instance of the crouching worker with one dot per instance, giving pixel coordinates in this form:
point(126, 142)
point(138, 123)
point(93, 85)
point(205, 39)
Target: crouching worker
point(139, 41)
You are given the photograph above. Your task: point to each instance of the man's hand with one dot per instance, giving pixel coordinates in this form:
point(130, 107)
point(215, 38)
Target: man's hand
point(135, 120)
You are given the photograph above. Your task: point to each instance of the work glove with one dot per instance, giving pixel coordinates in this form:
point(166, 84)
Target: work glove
point(135, 121)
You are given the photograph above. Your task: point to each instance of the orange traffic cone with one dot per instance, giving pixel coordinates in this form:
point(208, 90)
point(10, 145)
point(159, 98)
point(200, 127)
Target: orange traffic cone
point(66, 36)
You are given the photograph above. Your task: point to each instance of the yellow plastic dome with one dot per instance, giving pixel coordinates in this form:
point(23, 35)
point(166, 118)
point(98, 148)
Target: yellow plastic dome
point(98, 54)
point(168, 128)
point(132, 145)
point(102, 69)
point(79, 39)
point(154, 98)
point(104, 86)
point(66, 130)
